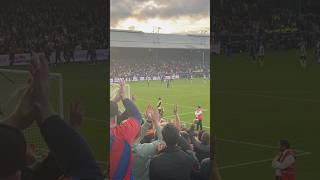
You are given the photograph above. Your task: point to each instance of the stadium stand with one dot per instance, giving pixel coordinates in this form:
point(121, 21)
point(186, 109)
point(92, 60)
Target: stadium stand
point(278, 24)
point(157, 55)
point(58, 27)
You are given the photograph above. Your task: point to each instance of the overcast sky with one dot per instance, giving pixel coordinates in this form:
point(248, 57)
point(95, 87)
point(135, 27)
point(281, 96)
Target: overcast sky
point(173, 16)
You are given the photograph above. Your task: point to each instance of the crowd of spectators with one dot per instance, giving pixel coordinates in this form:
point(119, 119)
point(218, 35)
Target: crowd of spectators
point(247, 16)
point(50, 26)
point(124, 69)
point(149, 147)
point(276, 24)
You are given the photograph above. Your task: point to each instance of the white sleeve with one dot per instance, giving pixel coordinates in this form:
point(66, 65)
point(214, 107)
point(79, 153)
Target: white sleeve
point(285, 164)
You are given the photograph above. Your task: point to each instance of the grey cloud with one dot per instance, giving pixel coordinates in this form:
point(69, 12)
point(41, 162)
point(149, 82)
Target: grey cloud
point(167, 9)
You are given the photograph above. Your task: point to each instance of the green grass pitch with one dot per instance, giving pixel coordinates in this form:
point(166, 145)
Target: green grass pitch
point(186, 94)
point(255, 107)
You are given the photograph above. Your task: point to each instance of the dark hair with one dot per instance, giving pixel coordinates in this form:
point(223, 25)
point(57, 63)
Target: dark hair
point(200, 134)
point(170, 134)
point(113, 109)
point(285, 143)
point(205, 138)
point(199, 107)
point(12, 150)
point(205, 168)
point(185, 135)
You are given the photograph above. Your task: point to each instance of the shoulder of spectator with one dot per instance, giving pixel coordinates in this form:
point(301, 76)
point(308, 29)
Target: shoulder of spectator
point(146, 149)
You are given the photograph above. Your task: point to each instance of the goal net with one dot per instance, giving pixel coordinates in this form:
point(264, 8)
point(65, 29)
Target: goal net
point(114, 88)
point(13, 85)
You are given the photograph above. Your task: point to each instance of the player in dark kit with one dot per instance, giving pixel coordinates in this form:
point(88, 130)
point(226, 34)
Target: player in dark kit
point(11, 55)
point(66, 53)
point(162, 79)
point(261, 54)
point(58, 51)
point(317, 52)
point(303, 54)
point(47, 51)
point(92, 54)
point(1, 112)
point(168, 83)
point(71, 50)
point(253, 51)
point(160, 107)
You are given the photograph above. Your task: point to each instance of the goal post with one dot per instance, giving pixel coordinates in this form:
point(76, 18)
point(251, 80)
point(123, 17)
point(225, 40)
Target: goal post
point(13, 85)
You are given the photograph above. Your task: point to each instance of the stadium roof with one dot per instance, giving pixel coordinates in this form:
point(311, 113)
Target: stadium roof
point(139, 39)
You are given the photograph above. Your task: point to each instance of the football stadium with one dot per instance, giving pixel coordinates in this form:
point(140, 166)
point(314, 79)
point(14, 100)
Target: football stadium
point(265, 66)
point(152, 58)
point(170, 73)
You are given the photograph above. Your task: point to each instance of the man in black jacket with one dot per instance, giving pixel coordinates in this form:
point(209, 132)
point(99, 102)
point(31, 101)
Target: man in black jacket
point(201, 146)
point(172, 163)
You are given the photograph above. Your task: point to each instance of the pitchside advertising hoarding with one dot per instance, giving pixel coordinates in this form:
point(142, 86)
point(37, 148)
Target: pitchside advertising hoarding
point(79, 56)
point(143, 78)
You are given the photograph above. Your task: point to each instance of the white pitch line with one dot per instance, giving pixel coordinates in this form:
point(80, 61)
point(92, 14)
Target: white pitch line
point(253, 144)
point(274, 97)
point(257, 91)
point(257, 162)
point(182, 114)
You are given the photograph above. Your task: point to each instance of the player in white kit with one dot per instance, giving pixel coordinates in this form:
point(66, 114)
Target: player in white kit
point(317, 51)
point(261, 55)
point(303, 54)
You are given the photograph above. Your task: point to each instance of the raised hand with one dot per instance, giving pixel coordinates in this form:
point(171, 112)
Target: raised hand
point(121, 92)
point(152, 115)
point(30, 154)
point(177, 119)
point(40, 72)
point(26, 111)
point(175, 109)
point(147, 113)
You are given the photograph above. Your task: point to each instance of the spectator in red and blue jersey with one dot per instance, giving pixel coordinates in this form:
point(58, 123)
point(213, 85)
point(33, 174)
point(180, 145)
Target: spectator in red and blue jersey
point(122, 136)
